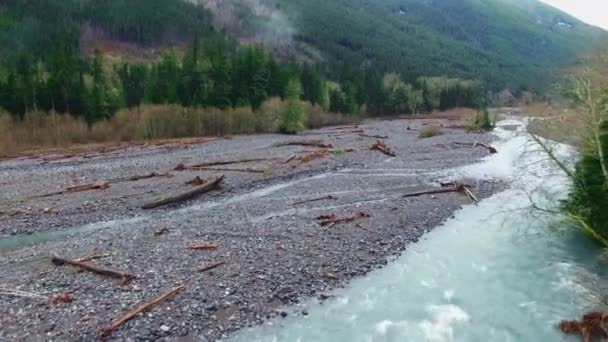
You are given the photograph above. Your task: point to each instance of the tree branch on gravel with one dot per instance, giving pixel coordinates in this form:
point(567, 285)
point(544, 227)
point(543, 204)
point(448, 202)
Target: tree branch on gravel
point(491, 149)
point(328, 197)
point(308, 143)
point(447, 188)
point(129, 316)
point(80, 188)
point(140, 177)
point(211, 266)
point(204, 246)
point(125, 277)
point(331, 220)
point(207, 187)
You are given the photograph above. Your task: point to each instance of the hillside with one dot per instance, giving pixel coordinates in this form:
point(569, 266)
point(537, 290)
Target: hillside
point(506, 43)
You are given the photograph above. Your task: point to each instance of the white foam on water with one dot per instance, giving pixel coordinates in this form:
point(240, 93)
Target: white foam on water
point(440, 329)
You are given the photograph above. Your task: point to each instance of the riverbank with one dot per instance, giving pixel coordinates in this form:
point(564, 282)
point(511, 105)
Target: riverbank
point(275, 252)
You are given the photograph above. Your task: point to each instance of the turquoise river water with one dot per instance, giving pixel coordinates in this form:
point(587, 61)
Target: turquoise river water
point(499, 271)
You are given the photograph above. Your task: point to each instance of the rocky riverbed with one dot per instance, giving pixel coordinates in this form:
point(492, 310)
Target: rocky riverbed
point(275, 253)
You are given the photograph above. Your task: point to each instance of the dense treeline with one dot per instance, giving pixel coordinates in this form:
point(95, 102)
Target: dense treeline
point(43, 67)
point(211, 73)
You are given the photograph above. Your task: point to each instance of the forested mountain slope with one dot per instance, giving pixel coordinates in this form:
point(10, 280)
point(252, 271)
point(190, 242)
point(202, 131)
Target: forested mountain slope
point(506, 43)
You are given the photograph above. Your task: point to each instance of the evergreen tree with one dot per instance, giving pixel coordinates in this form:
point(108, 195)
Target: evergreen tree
point(293, 117)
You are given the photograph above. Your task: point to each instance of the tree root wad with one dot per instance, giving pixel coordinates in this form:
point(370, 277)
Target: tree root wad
point(592, 327)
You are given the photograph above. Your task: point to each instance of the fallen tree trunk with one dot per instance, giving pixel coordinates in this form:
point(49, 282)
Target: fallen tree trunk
point(308, 143)
point(211, 266)
point(109, 329)
point(125, 277)
point(209, 186)
point(328, 197)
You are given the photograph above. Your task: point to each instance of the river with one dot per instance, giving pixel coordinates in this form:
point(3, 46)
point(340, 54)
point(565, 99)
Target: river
point(499, 271)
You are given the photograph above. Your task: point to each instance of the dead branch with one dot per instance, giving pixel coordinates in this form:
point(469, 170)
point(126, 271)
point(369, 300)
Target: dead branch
point(328, 197)
point(211, 266)
point(79, 188)
point(109, 329)
point(293, 156)
point(10, 213)
point(196, 181)
point(331, 220)
point(125, 277)
point(344, 127)
point(458, 188)
point(209, 186)
point(491, 149)
point(229, 162)
point(140, 177)
point(203, 246)
point(225, 169)
point(470, 194)
point(19, 293)
point(87, 187)
point(373, 136)
point(310, 156)
point(308, 143)
point(93, 257)
point(382, 147)
point(162, 231)
point(594, 325)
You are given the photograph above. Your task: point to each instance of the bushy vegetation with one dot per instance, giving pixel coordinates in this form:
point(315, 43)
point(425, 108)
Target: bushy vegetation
point(151, 122)
point(429, 131)
point(588, 198)
point(481, 121)
point(292, 118)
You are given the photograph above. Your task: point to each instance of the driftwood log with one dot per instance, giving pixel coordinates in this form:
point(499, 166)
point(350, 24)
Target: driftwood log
point(328, 197)
point(331, 220)
point(382, 147)
point(307, 143)
point(125, 277)
point(93, 257)
point(203, 246)
point(490, 149)
point(209, 186)
point(447, 188)
point(373, 136)
point(129, 316)
point(140, 177)
point(79, 188)
point(226, 169)
point(228, 162)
